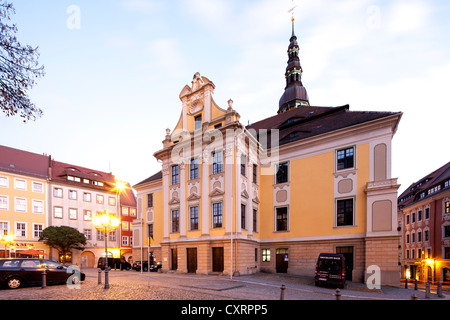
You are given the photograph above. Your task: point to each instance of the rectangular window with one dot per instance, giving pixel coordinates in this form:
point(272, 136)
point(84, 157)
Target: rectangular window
point(73, 214)
point(193, 218)
point(426, 235)
point(4, 203)
point(345, 158)
point(265, 255)
point(21, 205)
point(125, 241)
point(344, 212)
point(447, 207)
point(20, 184)
point(100, 236)
point(217, 165)
point(124, 211)
point(38, 187)
point(255, 174)
point(193, 169)
point(255, 220)
point(38, 206)
point(150, 230)
point(4, 182)
point(21, 230)
point(217, 215)
point(133, 212)
point(282, 219)
point(243, 216)
point(72, 194)
point(243, 166)
point(124, 225)
point(87, 214)
point(112, 236)
point(150, 200)
point(175, 174)
point(111, 201)
point(282, 171)
point(198, 122)
point(87, 234)
point(99, 199)
point(175, 220)
point(427, 213)
point(58, 212)
point(58, 192)
point(87, 197)
point(37, 230)
point(447, 232)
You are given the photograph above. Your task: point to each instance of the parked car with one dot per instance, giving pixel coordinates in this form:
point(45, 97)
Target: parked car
point(114, 263)
point(17, 272)
point(330, 269)
point(153, 267)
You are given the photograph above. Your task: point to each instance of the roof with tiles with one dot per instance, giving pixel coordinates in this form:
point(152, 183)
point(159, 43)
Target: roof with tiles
point(24, 162)
point(433, 183)
point(308, 121)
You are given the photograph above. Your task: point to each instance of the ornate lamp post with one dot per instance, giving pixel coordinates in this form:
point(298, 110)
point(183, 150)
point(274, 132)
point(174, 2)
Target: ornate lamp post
point(106, 223)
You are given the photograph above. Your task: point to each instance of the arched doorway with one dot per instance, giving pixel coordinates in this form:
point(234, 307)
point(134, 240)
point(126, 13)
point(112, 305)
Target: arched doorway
point(87, 260)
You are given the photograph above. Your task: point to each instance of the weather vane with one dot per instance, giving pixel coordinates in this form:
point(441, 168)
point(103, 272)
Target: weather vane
point(292, 10)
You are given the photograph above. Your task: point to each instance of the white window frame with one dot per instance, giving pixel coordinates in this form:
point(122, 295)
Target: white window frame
point(6, 180)
point(16, 180)
point(20, 230)
point(16, 204)
point(39, 231)
point(6, 198)
point(36, 183)
point(40, 204)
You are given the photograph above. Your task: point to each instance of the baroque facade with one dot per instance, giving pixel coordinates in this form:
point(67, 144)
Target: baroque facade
point(272, 195)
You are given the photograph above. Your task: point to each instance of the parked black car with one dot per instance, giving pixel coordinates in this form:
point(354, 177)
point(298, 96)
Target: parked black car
point(153, 267)
point(17, 272)
point(114, 263)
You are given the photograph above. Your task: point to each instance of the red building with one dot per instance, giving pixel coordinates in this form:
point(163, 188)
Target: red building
point(424, 217)
point(127, 215)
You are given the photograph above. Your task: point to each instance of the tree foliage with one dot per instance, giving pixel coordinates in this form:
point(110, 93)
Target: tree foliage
point(63, 239)
point(19, 69)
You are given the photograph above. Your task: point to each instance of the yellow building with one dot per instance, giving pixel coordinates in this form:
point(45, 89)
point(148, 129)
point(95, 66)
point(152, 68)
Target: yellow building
point(271, 196)
point(23, 194)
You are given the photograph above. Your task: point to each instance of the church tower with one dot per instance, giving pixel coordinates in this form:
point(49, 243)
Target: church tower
point(295, 94)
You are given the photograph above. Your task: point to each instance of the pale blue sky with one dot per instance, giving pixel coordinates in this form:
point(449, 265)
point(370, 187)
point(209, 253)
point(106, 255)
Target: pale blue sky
point(111, 86)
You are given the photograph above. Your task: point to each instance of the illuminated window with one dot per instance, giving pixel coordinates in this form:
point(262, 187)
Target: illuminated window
point(266, 255)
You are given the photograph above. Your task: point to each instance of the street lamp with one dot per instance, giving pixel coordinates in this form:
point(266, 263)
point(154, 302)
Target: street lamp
point(119, 187)
point(7, 239)
point(106, 223)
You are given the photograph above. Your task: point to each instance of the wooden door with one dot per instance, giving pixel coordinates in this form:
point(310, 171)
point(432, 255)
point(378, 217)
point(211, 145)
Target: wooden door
point(174, 265)
point(191, 260)
point(282, 260)
point(218, 263)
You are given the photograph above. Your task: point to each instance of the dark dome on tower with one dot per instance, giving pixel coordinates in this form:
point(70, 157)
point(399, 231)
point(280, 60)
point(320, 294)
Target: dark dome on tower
point(295, 94)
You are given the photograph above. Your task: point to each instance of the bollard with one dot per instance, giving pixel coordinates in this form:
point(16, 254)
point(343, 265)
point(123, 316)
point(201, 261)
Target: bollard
point(414, 297)
point(415, 284)
point(44, 279)
point(283, 287)
point(439, 290)
point(406, 283)
point(99, 276)
point(338, 294)
point(427, 290)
